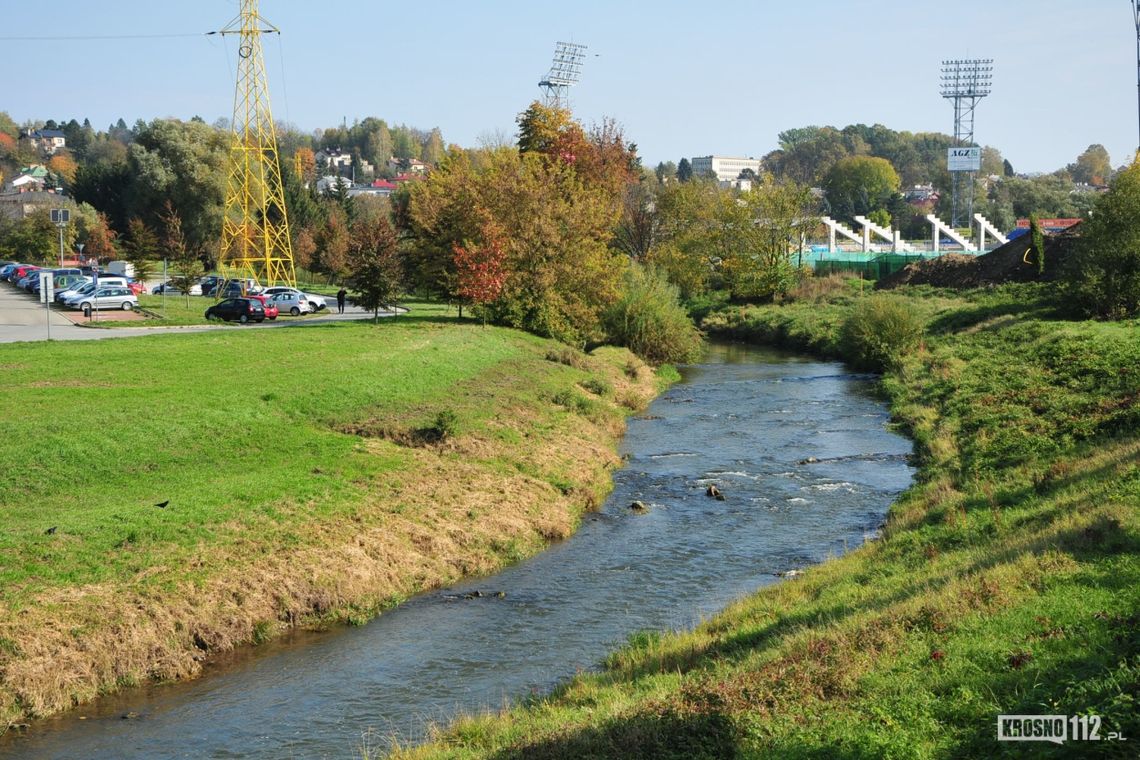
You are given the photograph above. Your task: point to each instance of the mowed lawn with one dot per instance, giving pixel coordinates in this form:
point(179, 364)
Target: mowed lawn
point(237, 429)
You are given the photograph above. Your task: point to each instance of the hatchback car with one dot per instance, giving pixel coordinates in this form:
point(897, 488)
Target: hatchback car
point(292, 302)
point(237, 310)
point(316, 303)
point(271, 310)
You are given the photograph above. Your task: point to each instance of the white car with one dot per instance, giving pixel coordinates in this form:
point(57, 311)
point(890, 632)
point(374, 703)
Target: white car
point(112, 297)
point(316, 303)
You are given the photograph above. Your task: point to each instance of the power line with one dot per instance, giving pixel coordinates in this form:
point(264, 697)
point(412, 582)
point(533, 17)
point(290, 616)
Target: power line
point(84, 37)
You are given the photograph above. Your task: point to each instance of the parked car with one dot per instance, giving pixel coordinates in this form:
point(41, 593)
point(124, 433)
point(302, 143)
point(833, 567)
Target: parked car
point(113, 297)
point(136, 287)
point(25, 282)
point(271, 310)
point(292, 302)
point(6, 269)
point(237, 310)
point(60, 282)
point(89, 286)
point(316, 303)
point(169, 288)
point(210, 283)
point(20, 272)
point(238, 288)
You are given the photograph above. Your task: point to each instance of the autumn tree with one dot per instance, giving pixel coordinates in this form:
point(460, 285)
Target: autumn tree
point(63, 165)
point(308, 162)
point(99, 241)
point(480, 270)
point(374, 269)
point(555, 199)
point(1092, 167)
point(333, 241)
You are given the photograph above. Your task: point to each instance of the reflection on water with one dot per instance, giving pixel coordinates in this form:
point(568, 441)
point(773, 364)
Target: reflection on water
point(800, 451)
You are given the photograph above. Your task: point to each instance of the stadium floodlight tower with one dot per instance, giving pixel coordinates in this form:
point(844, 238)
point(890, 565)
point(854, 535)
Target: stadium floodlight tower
point(965, 82)
point(1136, 18)
point(255, 227)
point(564, 73)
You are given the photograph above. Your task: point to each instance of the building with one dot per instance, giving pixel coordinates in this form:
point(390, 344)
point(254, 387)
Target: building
point(47, 140)
point(724, 168)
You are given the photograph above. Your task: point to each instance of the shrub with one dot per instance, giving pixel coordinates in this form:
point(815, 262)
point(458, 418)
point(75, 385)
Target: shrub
point(649, 320)
point(1102, 278)
point(597, 386)
point(879, 332)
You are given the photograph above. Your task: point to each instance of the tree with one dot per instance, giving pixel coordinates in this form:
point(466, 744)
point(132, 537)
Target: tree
point(142, 247)
point(481, 270)
point(859, 185)
point(665, 171)
point(34, 238)
point(63, 165)
point(1092, 167)
point(333, 242)
point(187, 267)
point(1102, 278)
point(433, 148)
point(684, 170)
point(375, 273)
point(636, 232)
point(99, 241)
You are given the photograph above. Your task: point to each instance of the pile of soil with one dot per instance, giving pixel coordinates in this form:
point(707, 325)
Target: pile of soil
point(1013, 262)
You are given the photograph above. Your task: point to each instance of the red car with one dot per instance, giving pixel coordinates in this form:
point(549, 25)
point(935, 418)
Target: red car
point(271, 310)
point(136, 287)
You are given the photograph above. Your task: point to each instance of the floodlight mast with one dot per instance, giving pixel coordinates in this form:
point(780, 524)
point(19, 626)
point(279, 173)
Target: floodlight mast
point(1136, 19)
point(564, 73)
point(965, 82)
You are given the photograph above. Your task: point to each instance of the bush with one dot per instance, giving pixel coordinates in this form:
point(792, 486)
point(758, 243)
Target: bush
point(1102, 278)
point(649, 320)
point(879, 332)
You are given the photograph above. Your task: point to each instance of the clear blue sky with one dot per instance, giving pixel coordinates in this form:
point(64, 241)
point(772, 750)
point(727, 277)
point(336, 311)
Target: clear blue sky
point(684, 78)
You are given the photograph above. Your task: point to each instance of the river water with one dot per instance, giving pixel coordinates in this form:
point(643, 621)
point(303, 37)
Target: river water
point(744, 419)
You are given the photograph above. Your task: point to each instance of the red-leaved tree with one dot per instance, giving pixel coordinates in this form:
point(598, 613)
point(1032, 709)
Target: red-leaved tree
point(480, 270)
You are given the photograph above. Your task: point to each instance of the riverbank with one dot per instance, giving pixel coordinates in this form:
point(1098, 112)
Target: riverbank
point(1007, 581)
point(171, 497)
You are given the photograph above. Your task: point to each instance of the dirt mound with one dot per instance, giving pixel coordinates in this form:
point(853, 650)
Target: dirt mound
point(1012, 262)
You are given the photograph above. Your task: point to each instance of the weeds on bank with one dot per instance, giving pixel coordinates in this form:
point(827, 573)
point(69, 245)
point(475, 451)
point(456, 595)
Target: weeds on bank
point(1007, 579)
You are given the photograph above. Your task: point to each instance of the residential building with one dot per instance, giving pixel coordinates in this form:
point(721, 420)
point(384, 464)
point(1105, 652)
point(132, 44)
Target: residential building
point(47, 140)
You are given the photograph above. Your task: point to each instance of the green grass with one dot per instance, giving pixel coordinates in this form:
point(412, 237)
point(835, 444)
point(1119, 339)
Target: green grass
point(268, 444)
point(1007, 579)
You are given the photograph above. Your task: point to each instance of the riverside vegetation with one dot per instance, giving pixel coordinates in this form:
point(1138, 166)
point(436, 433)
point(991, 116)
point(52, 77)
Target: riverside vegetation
point(1007, 580)
point(170, 497)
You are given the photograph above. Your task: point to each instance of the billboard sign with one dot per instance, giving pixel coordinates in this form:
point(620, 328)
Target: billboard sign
point(964, 159)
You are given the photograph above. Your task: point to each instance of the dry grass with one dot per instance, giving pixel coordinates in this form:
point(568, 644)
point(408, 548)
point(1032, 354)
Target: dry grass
point(465, 506)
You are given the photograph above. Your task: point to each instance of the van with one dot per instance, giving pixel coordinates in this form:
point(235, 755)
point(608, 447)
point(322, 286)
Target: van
point(121, 268)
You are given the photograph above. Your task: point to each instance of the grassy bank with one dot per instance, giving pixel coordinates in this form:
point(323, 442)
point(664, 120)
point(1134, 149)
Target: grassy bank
point(306, 476)
point(1007, 580)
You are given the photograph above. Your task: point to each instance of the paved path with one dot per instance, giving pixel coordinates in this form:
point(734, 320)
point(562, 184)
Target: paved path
point(22, 318)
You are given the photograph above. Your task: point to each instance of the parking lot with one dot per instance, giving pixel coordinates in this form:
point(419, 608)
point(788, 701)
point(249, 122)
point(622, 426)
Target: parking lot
point(23, 318)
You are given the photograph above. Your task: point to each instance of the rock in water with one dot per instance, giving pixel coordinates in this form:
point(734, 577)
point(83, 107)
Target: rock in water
point(639, 506)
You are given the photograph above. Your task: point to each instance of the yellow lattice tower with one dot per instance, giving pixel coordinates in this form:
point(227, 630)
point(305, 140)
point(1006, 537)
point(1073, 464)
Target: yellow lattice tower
point(255, 228)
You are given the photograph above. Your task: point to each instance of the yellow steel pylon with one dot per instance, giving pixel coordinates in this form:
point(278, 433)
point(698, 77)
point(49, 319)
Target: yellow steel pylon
point(255, 228)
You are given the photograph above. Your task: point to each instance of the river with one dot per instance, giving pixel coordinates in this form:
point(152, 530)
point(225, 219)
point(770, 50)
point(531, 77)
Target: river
point(744, 419)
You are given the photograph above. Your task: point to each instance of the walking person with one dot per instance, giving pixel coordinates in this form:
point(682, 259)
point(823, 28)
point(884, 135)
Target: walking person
point(340, 297)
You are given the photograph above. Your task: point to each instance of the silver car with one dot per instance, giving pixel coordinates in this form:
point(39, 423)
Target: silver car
point(316, 303)
point(112, 297)
point(292, 302)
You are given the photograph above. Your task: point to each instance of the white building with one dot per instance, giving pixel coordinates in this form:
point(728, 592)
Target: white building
point(724, 168)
